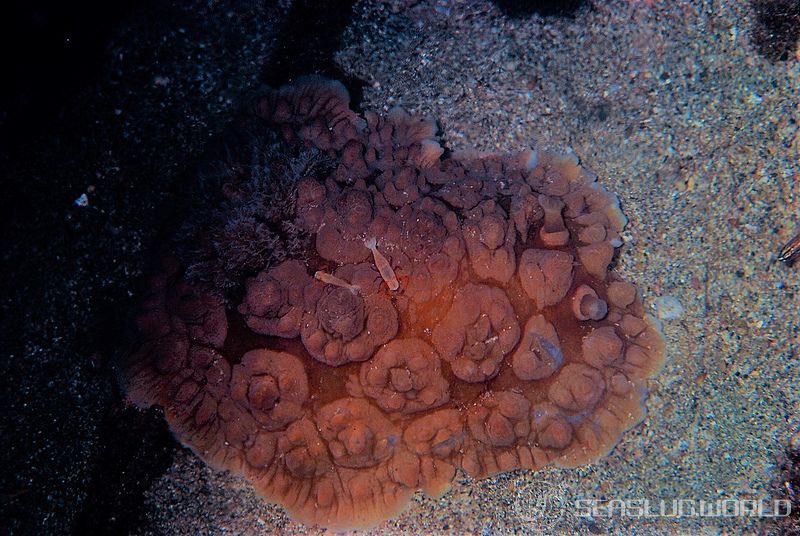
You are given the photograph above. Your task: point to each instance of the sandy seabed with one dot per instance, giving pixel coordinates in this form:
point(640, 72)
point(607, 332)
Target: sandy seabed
point(670, 105)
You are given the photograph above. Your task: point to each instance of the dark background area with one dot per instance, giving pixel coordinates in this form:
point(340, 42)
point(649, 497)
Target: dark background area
point(49, 45)
point(116, 101)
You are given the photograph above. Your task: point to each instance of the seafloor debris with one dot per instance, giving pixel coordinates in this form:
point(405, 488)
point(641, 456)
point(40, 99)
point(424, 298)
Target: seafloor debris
point(495, 339)
point(791, 250)
point(668, 308)
point(776, 28)
point(785, 492)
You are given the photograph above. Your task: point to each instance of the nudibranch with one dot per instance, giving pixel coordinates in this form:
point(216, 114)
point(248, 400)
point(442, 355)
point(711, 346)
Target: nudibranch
point(276, 353)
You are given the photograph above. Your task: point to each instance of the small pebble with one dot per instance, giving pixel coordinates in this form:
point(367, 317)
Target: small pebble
point(668, 307)
point(82, 201)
